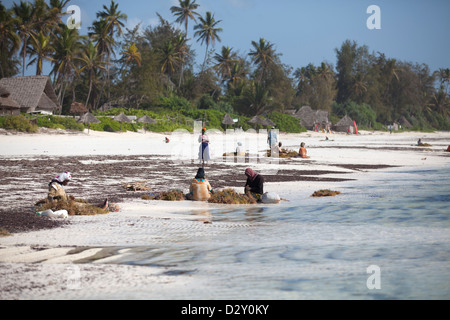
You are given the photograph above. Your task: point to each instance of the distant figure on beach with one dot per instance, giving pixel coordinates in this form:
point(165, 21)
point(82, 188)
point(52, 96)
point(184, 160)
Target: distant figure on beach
point(204, 147)
point(57, 193)
point(419, 142)
point(200, 189)
point(239, 151)
point(167, 140)
point(302, 153)
point(272, 138)
point(254, 186)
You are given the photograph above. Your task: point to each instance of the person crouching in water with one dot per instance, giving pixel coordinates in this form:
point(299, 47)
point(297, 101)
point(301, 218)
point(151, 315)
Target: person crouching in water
point(200, 189)
point(255, 185)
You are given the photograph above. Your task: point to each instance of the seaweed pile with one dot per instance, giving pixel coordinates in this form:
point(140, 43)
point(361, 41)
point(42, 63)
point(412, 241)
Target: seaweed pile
point(325, 193)
point(229, 196)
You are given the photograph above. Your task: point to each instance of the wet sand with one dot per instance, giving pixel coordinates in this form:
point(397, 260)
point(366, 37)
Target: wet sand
point(40, 250)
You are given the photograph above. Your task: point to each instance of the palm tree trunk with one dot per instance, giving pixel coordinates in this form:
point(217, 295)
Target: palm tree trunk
point(206, 56)
point(24, 49)
point(89, 94)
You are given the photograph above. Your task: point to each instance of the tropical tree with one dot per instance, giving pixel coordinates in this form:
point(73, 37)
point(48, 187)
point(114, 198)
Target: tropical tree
point(256, 99)
point(25, 24)
point(42, 49)
point(226, 60)
point(263, 55)
point(207, 32)
point(67, 47)
point(9, 41)
point(90, 62)
point(170, 59)
point(184, 12)
point(131, 54)
point(183, 52)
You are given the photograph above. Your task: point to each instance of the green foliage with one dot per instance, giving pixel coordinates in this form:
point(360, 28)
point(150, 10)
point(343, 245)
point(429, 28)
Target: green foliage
point(55, 122)
point(18, 123)
point(363, 114)
point(286, 123)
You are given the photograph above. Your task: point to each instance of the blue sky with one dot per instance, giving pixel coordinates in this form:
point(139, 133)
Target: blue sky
point(307, 31)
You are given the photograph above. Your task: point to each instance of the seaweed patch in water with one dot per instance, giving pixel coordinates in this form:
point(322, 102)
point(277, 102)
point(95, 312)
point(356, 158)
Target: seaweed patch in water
point(325, 193)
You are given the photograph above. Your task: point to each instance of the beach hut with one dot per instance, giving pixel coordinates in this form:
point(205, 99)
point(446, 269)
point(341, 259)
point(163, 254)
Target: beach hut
point(34, 94)
point(405, 123)
point(256, 120)
point(88, 118)
point(146, 120)
point(78, 108)
point(312, 119)
point(227, 121)
point(122, 118)
point(344, 125)
point(268, 122)
point(8, 106)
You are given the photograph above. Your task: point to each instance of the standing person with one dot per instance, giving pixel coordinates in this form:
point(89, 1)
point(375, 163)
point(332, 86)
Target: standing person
point(272, 138)
point(254, 186)
point(204, 147)
point(200, 189)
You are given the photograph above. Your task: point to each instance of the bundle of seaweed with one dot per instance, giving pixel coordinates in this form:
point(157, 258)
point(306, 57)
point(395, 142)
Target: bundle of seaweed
point(229, 196)
point(285, 154)
point(424, 145)
point(325, 193)
point(74, 207)
point(171, 195)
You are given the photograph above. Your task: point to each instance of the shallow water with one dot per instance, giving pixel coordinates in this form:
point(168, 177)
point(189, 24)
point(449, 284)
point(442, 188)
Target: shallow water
point(321, 248)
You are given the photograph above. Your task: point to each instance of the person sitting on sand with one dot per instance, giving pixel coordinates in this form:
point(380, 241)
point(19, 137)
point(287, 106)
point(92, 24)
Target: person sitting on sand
point(302, 153)
point(200, 189)
point(254, 186)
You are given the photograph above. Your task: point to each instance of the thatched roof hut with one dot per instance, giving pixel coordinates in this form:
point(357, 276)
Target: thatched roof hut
point(88, 118)
point(256, 120)
point(8, 106)
point(77, 108)
point(122, 118)
point(309, 118)
point(344, 124)
point(227, 120)
point(405, 123)
point(146, 119)
point(33, 94)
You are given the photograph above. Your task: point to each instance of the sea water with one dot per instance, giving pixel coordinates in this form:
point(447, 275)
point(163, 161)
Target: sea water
point(387, 237)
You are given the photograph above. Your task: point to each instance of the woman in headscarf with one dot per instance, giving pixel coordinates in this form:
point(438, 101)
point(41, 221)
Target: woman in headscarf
point(204, 147)
point(255, 184)
point(56, 193)
point(55, 187)
point(200, 189)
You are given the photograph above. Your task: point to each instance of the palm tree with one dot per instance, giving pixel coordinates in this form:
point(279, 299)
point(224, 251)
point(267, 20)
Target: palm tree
point(207, 31)
point(131, 54)
point(257, 98)
point(42, 48)
point(67, 47)
point(9, 39)
point(25, 24)
point(184, 12)
point(263, 55)
point(226, 60)
point(169, 58)
point(183, 52)
point(91, 62)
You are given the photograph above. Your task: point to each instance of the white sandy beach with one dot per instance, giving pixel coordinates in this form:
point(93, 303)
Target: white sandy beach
point(46, 264)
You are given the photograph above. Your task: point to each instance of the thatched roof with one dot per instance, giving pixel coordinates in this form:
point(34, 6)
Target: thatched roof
point(227, 120)
point(404, 122)
point(77, 108)
point(345, 122)
point(88, 118)
point(268, 122)
point(121, 118)
point(6, 100)
point(146, 119)
point(33, 94)
point(256, 120)
point(309, 117)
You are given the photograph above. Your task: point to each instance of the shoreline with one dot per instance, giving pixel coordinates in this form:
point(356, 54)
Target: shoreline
point(46, 254)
